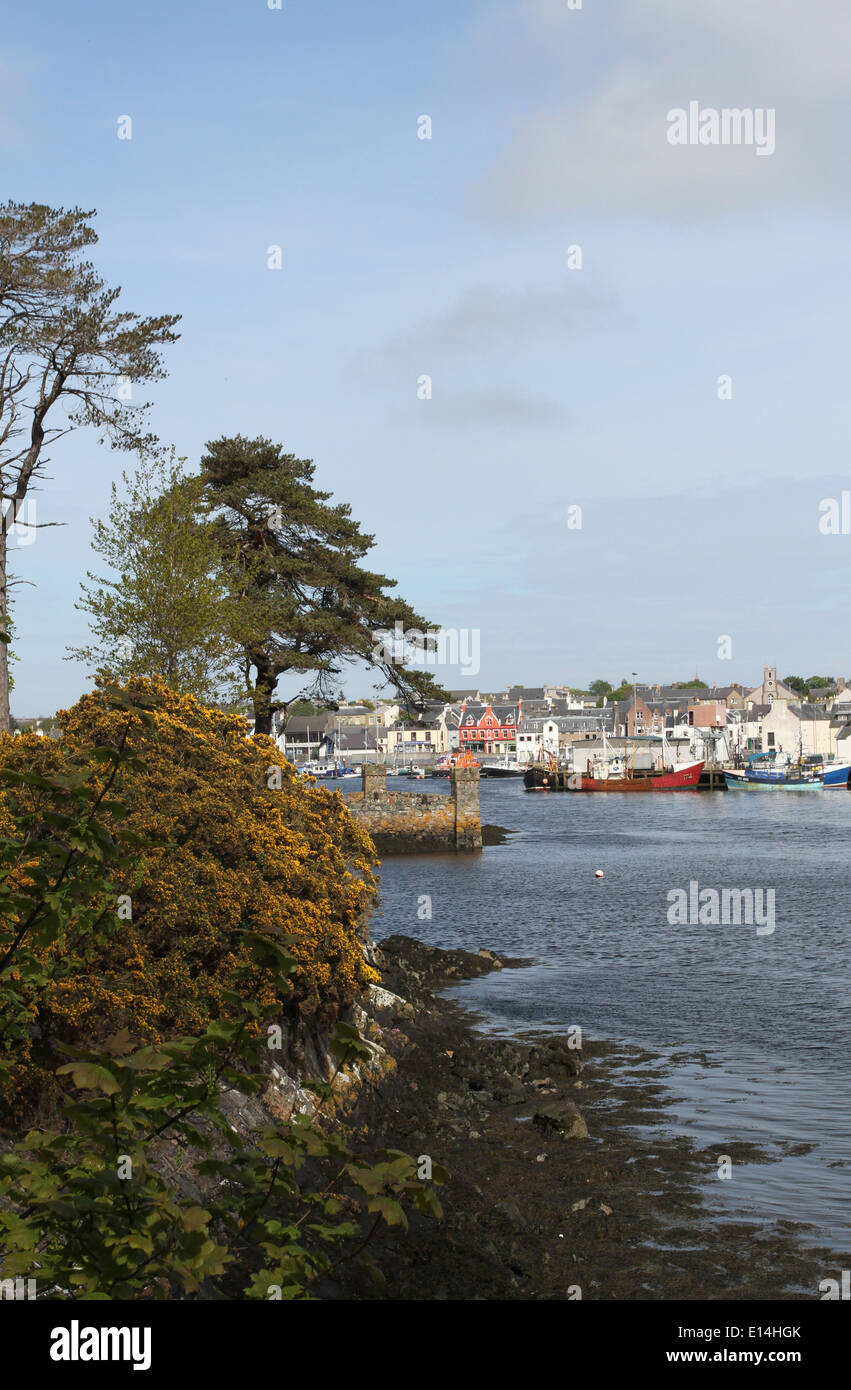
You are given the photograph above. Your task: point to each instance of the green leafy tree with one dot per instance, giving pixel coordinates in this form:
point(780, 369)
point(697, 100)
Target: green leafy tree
point(819, 682)
point(302, 602)
point(69, 357)
point(796, 683)
point(165, 613)
point(303, 707)
point(600, 688)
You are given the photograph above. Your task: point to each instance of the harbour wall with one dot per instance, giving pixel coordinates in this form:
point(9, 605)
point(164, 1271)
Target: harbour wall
point(413, 822)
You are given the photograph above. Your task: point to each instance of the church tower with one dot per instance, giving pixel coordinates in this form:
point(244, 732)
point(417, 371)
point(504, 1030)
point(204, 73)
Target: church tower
point(769, 684)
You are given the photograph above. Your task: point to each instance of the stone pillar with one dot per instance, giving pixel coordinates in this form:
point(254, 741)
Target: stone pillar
point(373, 780)
point(465, 794)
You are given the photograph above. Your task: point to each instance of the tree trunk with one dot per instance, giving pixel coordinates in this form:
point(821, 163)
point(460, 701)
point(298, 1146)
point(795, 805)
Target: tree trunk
point(5, 715)
point(263, 694)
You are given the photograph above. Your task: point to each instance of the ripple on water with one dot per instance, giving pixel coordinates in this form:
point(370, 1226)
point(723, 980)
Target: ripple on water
point(769, 1014)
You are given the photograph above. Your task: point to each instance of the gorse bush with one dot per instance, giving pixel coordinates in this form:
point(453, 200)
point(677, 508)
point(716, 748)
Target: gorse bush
point(225, 838)
point(87, 1206)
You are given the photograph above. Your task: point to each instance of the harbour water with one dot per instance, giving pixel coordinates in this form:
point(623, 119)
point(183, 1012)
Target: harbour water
point(754, 1027)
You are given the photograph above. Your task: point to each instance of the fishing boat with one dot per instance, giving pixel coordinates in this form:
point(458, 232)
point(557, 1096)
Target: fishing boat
point(833, 774)
point(774, 769)
point(614, 772)
point(443, 767)
point(791, 779)
point(623, 777)
point(506, 767)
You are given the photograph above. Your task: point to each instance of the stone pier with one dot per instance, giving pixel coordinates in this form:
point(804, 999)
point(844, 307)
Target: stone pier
point(413, 822)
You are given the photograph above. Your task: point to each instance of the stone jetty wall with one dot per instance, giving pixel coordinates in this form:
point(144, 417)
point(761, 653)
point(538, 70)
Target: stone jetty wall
point(416, 821)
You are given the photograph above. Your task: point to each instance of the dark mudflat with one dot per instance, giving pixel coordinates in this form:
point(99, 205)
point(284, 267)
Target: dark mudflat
point(534, 1210)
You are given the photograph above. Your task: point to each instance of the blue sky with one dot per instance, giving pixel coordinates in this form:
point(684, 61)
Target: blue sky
point(401, 257)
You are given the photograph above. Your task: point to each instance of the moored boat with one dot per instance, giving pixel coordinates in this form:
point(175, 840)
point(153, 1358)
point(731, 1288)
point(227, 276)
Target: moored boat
point(834, 774)
point(506, 767)
point(615, 774)
point(670, 778)
point(793, 780)
point(443, 767)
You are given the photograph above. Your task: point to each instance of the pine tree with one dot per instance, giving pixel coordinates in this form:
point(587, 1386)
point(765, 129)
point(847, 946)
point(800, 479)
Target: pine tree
point(302, 603)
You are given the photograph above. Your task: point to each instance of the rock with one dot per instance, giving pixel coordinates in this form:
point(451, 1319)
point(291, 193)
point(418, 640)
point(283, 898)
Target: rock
point(513, 1215)
point(381, 998)
point(560, 1117)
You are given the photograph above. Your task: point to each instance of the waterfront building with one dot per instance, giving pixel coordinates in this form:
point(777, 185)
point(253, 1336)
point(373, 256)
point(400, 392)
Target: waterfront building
point(488, 728)
point(305, 736)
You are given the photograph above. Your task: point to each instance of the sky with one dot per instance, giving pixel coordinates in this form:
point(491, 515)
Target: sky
point(619, 460)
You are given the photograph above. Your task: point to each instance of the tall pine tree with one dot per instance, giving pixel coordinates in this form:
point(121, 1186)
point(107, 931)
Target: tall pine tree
point(301, 600)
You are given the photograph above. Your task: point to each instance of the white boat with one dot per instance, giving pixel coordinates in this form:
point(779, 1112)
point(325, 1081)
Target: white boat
point(506, 767)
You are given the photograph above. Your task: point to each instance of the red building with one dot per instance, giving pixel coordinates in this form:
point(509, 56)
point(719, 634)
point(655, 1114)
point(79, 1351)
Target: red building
point(488, 728)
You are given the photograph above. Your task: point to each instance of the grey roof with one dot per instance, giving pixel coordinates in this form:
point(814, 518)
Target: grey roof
point(805, 711)
point(356, 739)
point(758, 711)
point(300, 723)
point(671, 692)
point(498, 707)
point(576, 722)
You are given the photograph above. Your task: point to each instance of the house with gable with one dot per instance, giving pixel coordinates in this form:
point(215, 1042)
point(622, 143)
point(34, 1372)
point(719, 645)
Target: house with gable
point(488, 728)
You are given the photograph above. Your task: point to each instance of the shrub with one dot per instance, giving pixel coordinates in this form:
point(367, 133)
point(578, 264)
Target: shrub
point(228, 838)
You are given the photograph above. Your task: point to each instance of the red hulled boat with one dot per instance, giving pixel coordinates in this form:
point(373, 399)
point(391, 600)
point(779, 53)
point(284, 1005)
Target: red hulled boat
point(613, 772)
point(677, 777)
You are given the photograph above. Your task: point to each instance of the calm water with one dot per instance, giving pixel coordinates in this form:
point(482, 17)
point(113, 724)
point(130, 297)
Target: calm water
point(770, 1012)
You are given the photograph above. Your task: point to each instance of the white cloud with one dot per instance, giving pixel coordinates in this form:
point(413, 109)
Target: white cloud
point(596, 138)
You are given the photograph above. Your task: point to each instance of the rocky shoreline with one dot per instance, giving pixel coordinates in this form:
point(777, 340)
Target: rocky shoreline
point(563, 1181)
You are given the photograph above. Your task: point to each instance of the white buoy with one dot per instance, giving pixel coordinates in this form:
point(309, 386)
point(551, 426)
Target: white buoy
point(598, 873)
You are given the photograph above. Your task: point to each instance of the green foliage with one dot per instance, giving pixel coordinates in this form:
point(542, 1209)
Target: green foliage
point(71, 357)
point(302, 602)
point(797, 684)
point(165, 613)
point(55, 903)
point(90, 1205)
point(600, 688)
